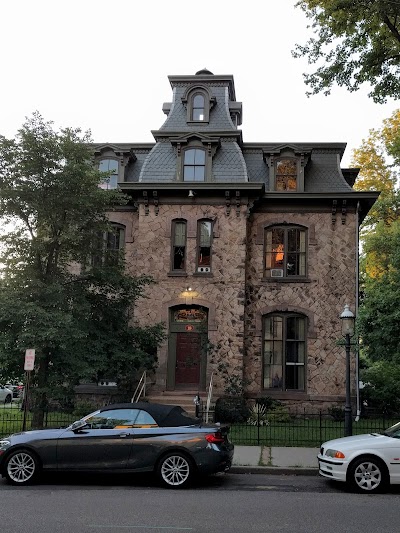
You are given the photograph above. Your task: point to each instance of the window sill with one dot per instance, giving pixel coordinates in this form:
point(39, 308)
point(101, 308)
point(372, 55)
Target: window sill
point(286, 280)
point(173, 274)
point(285, 395)
point(203, 274)
point(197, 122)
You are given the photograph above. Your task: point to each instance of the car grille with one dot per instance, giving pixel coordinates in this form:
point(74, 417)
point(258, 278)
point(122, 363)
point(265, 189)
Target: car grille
point(321, 450)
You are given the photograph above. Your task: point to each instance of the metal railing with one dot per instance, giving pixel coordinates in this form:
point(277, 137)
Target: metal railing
point(209, 396)
point(140, 389)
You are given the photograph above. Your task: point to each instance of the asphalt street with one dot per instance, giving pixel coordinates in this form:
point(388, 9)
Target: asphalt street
point(231, 503)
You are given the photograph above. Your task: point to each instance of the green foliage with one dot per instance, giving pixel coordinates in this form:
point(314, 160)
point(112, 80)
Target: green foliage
point(232, 410)
point(77, 318)
point(279, 414)
point(382, 389)
point(354, 42)
point(337, 413)
point(268, 402)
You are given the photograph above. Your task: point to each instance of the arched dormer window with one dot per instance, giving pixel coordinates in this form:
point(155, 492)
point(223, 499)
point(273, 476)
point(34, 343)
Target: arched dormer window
point(111, 167)
point(198, 107)
point(198, 102)
point(194, 164)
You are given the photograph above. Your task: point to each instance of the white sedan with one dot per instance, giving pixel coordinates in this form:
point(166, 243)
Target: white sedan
point(367, 463)
point(5, 395)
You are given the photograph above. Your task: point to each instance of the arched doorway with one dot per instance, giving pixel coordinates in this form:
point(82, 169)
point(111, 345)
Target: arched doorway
point(187, 357)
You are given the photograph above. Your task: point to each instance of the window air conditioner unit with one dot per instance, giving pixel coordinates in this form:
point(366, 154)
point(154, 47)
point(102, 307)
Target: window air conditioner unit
point(203, 270)
point(276, 272)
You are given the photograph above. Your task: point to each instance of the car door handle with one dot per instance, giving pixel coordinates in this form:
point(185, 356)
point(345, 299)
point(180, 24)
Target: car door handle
point(123, 435)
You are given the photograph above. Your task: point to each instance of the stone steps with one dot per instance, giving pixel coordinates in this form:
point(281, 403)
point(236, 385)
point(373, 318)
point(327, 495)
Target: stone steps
point(182, 398)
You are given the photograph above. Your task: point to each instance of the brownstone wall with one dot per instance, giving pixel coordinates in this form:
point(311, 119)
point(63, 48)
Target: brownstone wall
point(331, 283)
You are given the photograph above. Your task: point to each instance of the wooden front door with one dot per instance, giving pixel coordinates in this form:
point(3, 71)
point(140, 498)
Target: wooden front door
point(188, 352)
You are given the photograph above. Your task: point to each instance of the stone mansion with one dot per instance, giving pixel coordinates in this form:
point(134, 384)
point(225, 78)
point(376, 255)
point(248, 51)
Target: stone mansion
point(252, 245)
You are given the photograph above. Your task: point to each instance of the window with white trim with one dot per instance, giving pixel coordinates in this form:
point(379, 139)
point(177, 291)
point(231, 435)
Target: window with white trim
point(284, 351)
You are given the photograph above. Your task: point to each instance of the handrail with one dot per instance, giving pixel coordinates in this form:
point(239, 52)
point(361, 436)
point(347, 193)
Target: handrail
point(141, 388)
point(209, 396)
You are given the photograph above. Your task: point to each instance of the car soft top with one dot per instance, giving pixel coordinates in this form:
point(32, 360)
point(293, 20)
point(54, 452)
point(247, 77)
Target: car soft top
point(164, 415)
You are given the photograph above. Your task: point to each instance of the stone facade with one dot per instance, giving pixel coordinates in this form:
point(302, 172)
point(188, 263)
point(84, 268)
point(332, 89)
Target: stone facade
point(238, 195)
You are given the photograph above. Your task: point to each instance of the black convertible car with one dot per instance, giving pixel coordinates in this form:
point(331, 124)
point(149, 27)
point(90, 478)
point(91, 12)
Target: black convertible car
point(127, 437)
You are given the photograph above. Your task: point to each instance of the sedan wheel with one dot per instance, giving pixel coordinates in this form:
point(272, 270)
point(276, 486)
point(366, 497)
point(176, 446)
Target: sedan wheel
point(8, 399)
point(368, 475)
point(21, 467)
point(175, 470)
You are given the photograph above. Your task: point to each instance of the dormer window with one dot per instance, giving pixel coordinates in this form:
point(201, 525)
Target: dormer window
point(111, 167)
point(194, 165)
point(198, 107)
point(198, 102)
point(286, 175)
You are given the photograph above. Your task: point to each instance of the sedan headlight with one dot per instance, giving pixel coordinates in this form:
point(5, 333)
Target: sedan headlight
point(335, 453)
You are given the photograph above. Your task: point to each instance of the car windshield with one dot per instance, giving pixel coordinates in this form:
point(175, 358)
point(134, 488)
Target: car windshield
point(393, 431)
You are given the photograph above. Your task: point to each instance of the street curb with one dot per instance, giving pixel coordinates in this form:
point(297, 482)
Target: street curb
point(274, 470)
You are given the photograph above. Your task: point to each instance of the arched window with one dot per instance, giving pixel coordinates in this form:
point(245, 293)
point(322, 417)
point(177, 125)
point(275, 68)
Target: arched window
point(198, 107)
point(284, 351)
point(111, 167)
point(178, 245)
point(285, 251)
point(194, 164)
point(204, 242)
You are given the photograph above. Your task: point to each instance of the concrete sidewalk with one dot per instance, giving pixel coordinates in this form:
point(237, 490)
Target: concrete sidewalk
point(275, 460)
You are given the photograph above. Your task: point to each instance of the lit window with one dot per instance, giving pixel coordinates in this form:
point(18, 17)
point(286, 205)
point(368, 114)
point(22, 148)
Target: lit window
point(286, 175)
point(111, 167)
point(179, 245)
point(284, 351)
point(198, 107)
point(204, 236)
point(194, 165)
point(285, 252)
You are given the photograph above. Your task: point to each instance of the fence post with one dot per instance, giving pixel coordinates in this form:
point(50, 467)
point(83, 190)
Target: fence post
point(258, 426)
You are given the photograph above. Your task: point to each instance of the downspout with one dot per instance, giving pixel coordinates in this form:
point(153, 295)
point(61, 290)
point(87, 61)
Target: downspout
point(357, 376)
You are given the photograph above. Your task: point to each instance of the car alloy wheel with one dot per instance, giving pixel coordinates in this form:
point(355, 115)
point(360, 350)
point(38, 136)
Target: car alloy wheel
point(368, 474)
point(175, 470)
point(21, 467)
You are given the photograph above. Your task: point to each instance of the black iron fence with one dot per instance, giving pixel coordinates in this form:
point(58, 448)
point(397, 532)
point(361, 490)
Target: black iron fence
point(279, 428)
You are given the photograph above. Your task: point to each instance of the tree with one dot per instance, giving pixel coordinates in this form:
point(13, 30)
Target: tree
point(357, 41)
point(378, 160)
point(75, 314)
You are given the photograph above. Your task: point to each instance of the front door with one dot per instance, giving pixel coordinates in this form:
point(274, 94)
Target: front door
point(188, 354)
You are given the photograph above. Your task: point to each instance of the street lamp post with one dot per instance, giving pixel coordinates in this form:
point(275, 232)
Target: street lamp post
point(347, 319)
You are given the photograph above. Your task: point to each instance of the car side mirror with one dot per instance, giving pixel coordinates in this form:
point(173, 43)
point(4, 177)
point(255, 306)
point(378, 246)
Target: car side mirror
point(79, 424)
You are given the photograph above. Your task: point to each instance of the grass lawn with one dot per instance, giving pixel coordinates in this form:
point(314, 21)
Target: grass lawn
point(303, 433)
point(11, 420)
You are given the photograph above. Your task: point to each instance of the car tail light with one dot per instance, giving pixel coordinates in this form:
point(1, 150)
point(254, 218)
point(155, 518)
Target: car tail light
point(215, 438)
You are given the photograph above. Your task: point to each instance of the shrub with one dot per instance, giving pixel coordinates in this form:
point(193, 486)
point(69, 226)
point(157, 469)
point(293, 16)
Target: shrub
point(336, 412)
point(279, 414)
point(233, 410)
point(258, 416)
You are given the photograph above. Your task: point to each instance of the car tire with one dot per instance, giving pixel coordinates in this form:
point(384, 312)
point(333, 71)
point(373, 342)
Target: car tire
point(175, 470)
point(8, 399)
point(368, 474)
point(21, 467)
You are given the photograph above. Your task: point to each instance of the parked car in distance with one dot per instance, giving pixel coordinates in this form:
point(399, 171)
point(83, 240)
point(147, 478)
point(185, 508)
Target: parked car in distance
point(129, 437)
point(367, 463)
point(17, 389)
point(5, 395)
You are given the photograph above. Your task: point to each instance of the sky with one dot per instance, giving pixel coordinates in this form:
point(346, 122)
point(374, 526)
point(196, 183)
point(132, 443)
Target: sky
point(104, 66)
